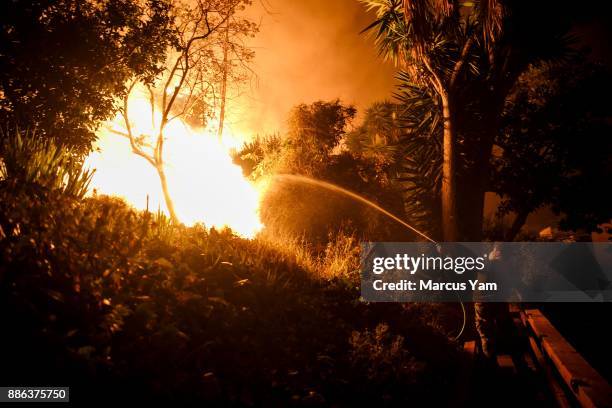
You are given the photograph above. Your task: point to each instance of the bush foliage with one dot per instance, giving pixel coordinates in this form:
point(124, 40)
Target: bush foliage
point(314, 146)
point(29, 160)
point(94, 294)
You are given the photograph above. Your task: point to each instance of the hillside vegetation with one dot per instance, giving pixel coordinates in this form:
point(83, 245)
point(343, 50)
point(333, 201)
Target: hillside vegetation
point(97, 295)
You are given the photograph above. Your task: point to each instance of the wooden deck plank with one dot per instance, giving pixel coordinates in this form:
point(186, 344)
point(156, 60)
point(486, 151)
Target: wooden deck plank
point(504, 361)
point(588, 386)
point(529, 362)
point(556, 389)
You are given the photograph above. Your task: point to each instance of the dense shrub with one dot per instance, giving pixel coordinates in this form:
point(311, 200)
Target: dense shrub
point(94, 294)
point(28, 159)
point(313, 147)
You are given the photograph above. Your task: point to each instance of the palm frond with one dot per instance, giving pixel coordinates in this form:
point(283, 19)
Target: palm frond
point(490, 14)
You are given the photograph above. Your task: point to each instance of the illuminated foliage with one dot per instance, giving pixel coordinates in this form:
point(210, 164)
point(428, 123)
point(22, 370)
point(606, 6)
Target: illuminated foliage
point(63, 62)
point(314, 146)
point(29, 160)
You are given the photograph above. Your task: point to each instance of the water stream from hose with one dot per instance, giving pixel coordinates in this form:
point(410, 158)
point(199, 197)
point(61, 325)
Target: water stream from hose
point(294, 178)
point(353, 195)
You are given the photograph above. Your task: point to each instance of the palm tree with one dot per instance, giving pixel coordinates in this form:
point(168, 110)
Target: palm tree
point(404, 139)
point(466, 56)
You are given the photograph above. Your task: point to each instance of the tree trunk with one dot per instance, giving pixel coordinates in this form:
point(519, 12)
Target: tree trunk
point(167, 197)
point(471, 206)
point(449, 184)
point(472, 188)
point(517, 224)
point(223, 84)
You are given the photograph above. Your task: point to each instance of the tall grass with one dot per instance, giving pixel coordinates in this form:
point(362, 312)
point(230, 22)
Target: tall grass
point(338, 259)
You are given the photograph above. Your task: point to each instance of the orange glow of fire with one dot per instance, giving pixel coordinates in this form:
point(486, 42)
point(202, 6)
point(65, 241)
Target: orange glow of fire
point(205, 185)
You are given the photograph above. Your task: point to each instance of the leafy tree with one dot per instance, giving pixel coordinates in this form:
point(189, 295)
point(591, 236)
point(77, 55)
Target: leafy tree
point(234, 62)
point(63, 62)
point(314, 131)
point(554, 147)
point(183, 81)
point(314, 147)
point(551, 149)
point(378, 134)
point(465, 58)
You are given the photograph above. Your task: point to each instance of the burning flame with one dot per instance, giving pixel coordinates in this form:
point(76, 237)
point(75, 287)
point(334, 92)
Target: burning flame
point(204, 183)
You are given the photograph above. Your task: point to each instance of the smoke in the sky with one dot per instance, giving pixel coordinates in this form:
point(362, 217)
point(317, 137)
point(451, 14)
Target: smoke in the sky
point(309, 50)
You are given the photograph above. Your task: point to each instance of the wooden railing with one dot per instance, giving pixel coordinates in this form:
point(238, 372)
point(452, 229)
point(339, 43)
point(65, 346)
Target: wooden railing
point(571, 378)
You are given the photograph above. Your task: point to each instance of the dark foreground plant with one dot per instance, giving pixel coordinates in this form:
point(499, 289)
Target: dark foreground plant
point(27, 159)
point(97, 296)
